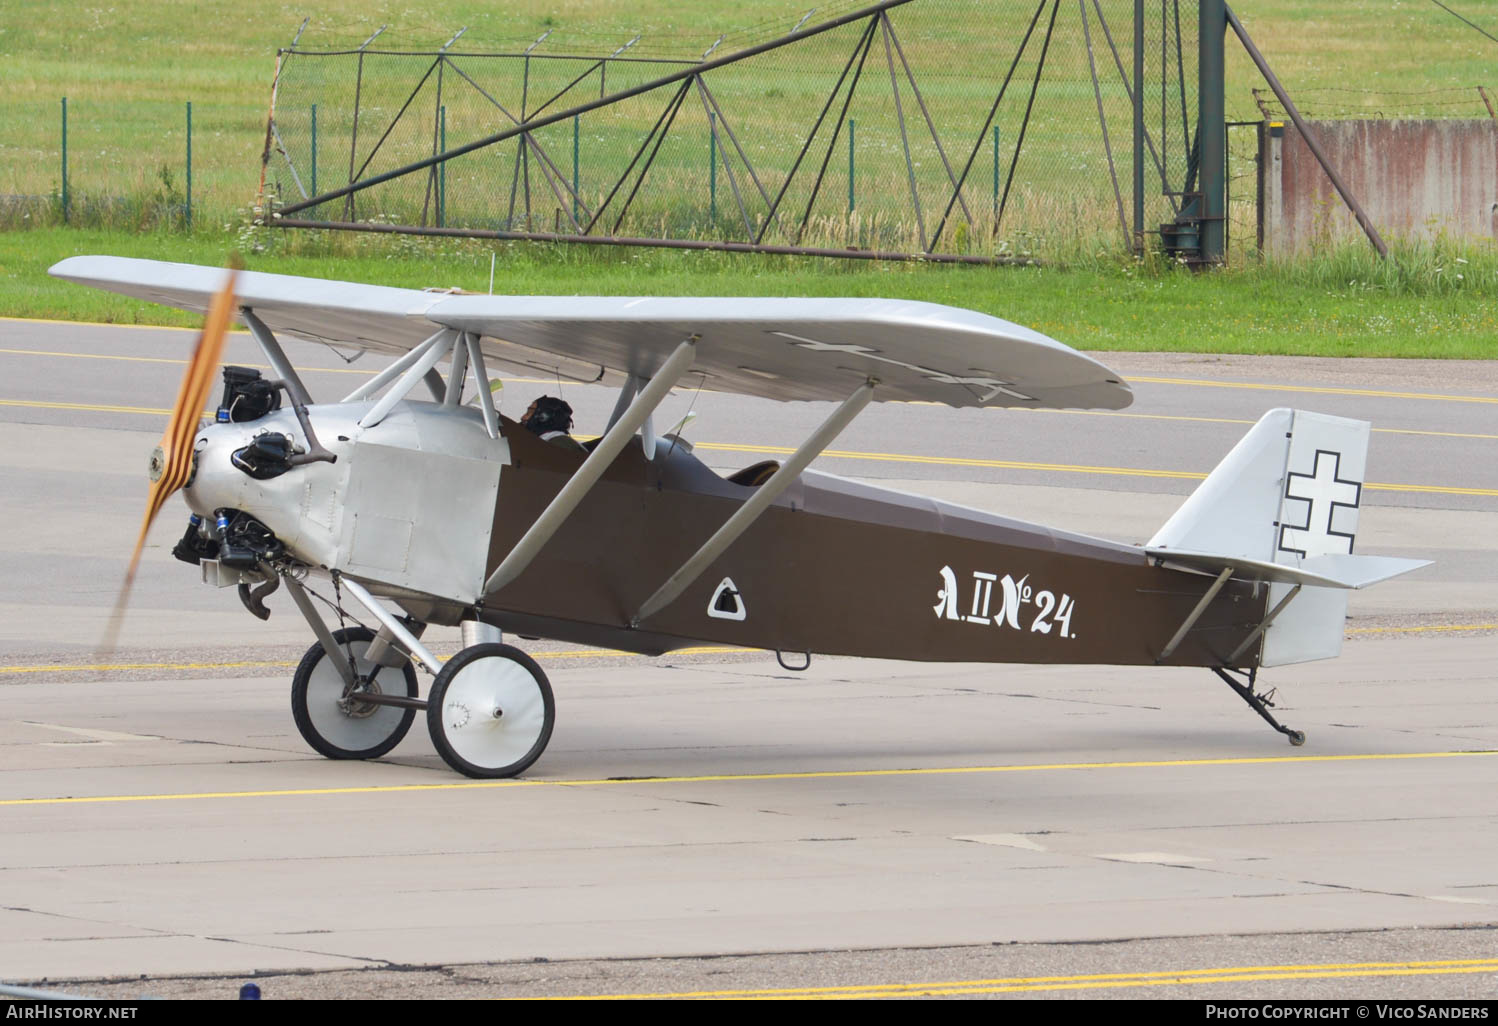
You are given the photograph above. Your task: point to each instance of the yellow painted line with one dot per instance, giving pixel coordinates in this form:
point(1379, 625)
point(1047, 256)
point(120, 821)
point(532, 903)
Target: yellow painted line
point(1194, 382)
point(257, 366)
point(886, 457)
point(1318, 390)
point(956, 461)
point(485, 785)
point(1245, 978)
point(1099, 980)
point(164, 359)
point(108, 324)
point(88, 407)
point(1073, 413)
point(1236, 420)
point(601, 653)
point(1415, 630)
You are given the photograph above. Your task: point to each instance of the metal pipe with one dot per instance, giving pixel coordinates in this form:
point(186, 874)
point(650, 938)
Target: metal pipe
point(806, 147)
point(1097, 92)
point(1195, 614)
point(749, 512)
point(894, 87)
point(644, 87)
point(645, 168)
point(394, 371)
point(743, 157)
point(582, 481)
point(64, 160)
point(391, 623)
point(670, 108)
point(1123, 79)
point(1305, 133)
point(1024, 125)
point(396, 120)
point(617, 240)
point(1138, 103)
point(296, 179)
point(315, 621)
point(543, 164)
point(1211, 131)
point(727, 166)
point(989, 120)
point(188, 211)
point(866, 43)
point(276, 357)
point(941, 151)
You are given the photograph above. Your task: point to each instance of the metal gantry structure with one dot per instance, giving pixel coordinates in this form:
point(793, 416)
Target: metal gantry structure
point(980, 131)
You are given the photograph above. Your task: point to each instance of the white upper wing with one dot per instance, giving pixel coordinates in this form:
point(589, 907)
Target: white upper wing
point(777, 348)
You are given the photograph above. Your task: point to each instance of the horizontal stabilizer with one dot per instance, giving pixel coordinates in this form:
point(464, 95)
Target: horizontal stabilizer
point(1330, 571)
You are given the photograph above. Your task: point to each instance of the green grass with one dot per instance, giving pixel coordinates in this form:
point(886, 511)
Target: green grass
point(128, 69)
point(1346, 304)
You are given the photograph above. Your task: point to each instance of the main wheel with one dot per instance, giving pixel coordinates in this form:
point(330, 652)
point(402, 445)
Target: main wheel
point(338, 725)
point(490, 711)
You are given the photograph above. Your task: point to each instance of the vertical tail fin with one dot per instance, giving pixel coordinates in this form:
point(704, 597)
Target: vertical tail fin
point(1287, 496)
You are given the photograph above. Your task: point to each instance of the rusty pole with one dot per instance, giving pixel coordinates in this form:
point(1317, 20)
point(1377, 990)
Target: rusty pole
point(1305, 133)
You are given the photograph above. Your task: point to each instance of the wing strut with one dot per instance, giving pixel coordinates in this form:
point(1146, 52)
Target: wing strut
point(436, 348)
point(394, 371)
point(581, 482)
point(1195, 614)
point(1263, 625)
point(757, 503)
point(276, 357)
point(481, 384)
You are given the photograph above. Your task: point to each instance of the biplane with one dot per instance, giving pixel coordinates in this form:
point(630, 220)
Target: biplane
point(411, 501)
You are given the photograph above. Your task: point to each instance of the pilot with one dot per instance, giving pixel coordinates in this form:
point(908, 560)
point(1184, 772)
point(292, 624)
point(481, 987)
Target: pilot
point(551, 418)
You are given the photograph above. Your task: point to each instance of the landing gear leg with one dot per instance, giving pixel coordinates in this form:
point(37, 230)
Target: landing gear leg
point(1260, 704)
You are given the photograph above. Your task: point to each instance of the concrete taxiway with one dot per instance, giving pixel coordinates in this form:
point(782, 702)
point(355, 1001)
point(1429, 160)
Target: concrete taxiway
point(886, 828)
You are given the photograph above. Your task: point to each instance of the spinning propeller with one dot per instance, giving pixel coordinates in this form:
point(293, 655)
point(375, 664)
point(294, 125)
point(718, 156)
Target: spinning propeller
point(171, 463)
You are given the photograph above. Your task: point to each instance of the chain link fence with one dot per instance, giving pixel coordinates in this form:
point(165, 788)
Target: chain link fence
point(961, 129)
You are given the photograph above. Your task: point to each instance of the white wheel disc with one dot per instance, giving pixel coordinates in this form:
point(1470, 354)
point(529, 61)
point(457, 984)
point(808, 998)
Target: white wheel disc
point(493, 712)
point(349, 729)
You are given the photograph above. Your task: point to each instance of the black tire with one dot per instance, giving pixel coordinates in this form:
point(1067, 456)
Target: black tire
point(465, 729)
point(365, 732)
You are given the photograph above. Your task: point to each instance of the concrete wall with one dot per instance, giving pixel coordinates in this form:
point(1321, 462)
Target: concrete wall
point(1413, 178)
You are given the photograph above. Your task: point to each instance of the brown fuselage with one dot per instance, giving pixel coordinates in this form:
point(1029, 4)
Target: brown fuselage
point(840, 568)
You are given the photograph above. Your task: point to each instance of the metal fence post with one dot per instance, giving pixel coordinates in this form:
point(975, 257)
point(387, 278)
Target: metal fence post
point(576, 135)
point(188, 211)
point(442, 169)
point(850, 165)
point(1212, 132)
point(712, 167)
point(314, 149)
point(996, 177)
point(64, 160)
point(1139, 126)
